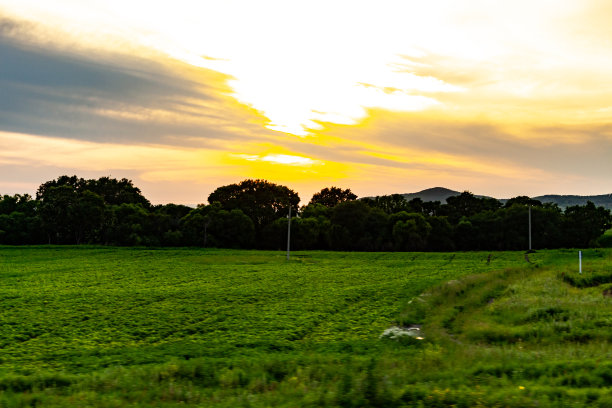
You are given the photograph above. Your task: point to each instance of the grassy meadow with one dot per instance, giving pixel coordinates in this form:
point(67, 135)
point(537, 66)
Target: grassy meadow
point(119, 327)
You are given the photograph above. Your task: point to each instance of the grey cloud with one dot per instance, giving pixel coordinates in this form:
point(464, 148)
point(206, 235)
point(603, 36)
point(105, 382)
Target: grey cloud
point(57, 93)
point(577, 151)
point(35, 67)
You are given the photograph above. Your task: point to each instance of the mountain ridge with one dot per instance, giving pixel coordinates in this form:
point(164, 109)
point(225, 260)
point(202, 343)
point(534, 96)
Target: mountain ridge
point(563, 201)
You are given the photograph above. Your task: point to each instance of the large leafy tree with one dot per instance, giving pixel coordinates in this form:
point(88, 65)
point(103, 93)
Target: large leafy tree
point(56, 212)
point(116, 192)
point(19, 221)
point(126, 224)
point(467, 204)
point(22, 203)
point(166, 222)
point(112, 191)
point(332, 196)
point(75, 210)
point(73, 183)
point(71, 216)
point(211, 225)
point(441, 234)
point(584, 224)
point(409, 231)
point(313, 217)
point(262, 201)
point(357, 226)
point(524, 201)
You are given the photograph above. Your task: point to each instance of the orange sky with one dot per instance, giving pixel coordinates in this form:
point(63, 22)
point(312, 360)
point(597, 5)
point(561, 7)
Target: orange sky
point(499, 98)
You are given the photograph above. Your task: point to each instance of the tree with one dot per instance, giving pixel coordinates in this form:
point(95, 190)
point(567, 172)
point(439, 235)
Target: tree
point(23, 203)
point(388, 203)
point(72, 183)
point(87, 215)
point(416, 205)
point(305, 233)
point(69, 215)
point(112, 191)
point(332, 196)
point(409, 230)
point(376, 237)
point(126, 224)
point(523, 200)
point(19, 221)
point(166, 220)
point(116, 192)
point(195, 225)
point(490, 233)
point(464, 235)
point(467, 204)
point(582, 225)
point(231, 229)
point(319, 215)
point(17, 228)
point(441, 235)
point(546, 226)
point(211, 225)
point(55, 212)
point(315, 210)
point(432, 208)
point(262, 201)
point(349, 225)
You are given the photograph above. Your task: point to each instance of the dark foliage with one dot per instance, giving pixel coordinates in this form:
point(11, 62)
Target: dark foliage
point(253, 214)
point(263, 202)
point(332, 196)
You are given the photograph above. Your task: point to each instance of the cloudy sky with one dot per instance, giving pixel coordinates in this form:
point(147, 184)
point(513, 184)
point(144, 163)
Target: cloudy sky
point(499, 98)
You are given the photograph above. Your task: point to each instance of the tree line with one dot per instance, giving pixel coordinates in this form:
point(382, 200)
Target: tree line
point(253, 214)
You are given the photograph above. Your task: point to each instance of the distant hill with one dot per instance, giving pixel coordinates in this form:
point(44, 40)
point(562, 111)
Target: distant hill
point(432, 194)
point(563, 201)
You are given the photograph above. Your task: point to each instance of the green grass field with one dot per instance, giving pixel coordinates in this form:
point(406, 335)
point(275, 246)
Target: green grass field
point(119, 327)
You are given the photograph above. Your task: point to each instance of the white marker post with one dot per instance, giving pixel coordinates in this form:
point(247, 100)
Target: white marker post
point(580, 262)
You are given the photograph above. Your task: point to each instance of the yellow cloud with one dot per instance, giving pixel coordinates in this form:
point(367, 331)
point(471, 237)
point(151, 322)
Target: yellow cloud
point(34, 150)
point(280, 165)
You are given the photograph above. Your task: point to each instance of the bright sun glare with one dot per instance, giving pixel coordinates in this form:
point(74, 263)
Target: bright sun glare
point(301, 67)
point(377, 92)
point(304, 64)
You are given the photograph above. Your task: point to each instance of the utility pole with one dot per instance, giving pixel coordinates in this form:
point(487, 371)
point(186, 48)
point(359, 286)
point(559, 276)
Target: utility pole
point(530, 228)
point(289, 232)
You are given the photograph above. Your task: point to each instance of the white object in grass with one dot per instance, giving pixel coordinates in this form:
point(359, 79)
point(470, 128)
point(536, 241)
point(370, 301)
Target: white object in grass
point(395, 333)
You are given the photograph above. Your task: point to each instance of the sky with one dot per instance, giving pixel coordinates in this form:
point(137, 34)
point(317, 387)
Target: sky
point(498, 98)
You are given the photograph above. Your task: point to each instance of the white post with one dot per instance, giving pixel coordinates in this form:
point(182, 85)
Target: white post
point(289, 232)
point(580, 262)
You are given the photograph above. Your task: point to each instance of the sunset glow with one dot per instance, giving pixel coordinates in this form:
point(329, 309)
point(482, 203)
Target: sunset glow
point(500, 98)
